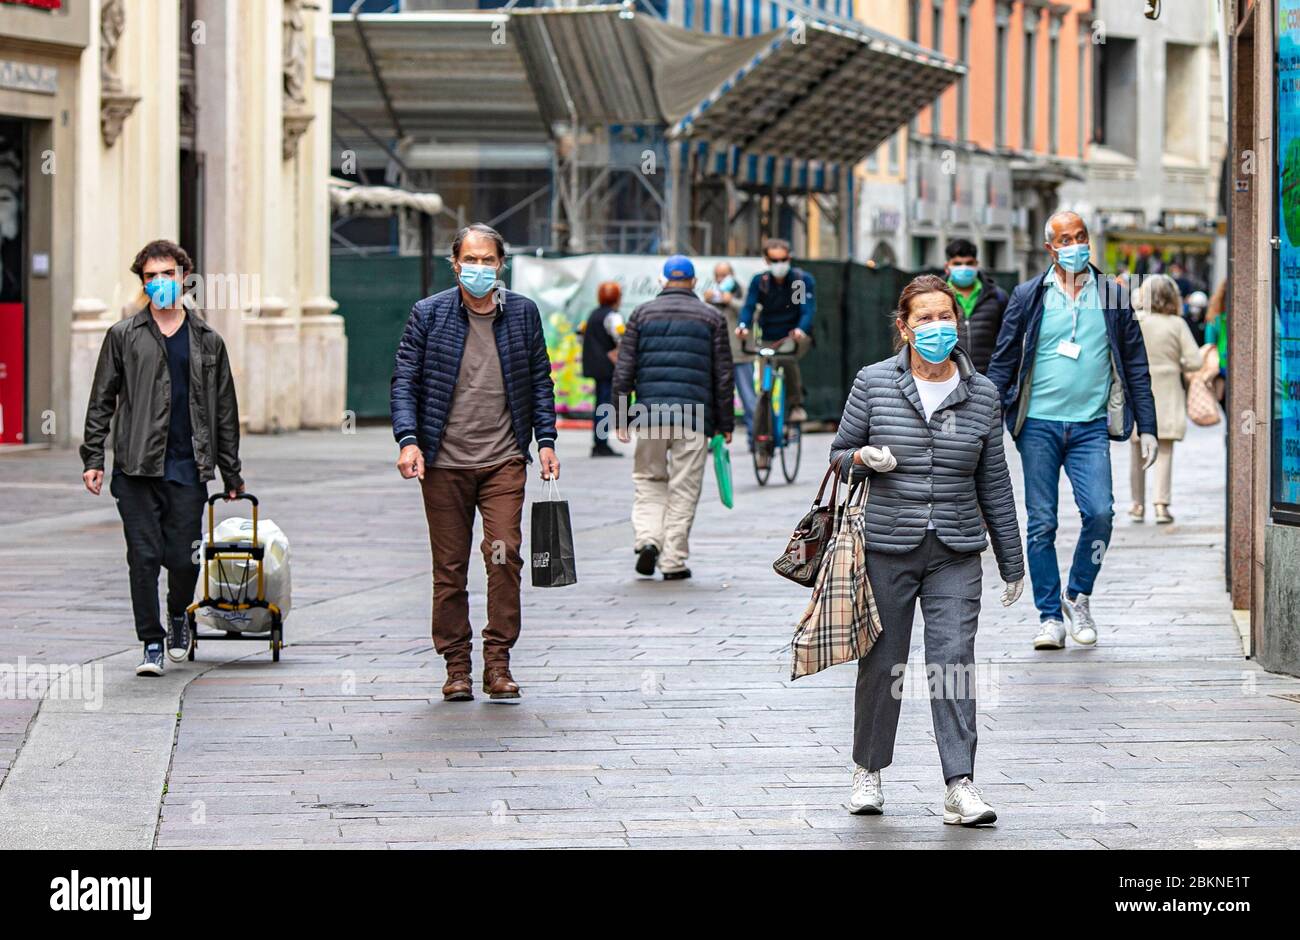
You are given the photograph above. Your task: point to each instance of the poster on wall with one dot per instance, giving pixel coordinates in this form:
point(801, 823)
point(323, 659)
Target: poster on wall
point(565, 292)
point(1286, 308)
point(13, 320)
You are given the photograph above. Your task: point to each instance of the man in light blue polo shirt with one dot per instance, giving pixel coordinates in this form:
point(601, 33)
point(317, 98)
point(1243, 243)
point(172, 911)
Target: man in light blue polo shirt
point(1071, 369)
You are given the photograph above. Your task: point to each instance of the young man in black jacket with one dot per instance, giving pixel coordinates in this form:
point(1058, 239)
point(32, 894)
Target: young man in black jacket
point(982, 302)
point(165, 376)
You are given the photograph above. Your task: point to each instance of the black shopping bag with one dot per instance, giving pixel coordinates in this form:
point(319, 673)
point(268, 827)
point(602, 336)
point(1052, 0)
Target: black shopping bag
point(553, 561)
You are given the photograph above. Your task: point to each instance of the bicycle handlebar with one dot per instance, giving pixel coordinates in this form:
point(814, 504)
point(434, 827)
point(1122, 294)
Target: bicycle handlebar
point(785, 348)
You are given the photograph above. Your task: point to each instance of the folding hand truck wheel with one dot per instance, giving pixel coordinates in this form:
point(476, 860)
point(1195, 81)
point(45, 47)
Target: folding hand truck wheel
point(241, 551)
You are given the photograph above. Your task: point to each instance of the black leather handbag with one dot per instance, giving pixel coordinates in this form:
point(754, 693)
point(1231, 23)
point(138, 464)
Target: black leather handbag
point(803, 554)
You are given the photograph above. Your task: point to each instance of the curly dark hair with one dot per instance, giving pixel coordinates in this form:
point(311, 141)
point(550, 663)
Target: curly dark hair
point(161, 248)
point(921, 284)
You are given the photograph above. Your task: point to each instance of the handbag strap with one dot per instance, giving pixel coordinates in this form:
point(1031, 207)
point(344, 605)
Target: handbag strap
point(857, 496)
point(832, 470)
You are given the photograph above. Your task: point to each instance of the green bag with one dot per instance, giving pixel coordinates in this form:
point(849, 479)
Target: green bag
point(722, 469)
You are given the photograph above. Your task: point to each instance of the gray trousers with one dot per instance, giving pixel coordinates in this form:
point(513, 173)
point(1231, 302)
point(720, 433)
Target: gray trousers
point(948, 584)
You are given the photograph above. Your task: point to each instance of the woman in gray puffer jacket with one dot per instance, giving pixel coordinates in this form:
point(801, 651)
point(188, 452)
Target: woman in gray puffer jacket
point(926, 430)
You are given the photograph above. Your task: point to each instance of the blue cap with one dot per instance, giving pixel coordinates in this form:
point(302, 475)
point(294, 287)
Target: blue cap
point(678, 268)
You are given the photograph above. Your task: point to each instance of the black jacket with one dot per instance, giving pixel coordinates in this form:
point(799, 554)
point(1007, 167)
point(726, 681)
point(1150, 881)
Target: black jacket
point(132, 385)
point(676, 357)
point(978, 333)
point(597, 344)
point(951, 469)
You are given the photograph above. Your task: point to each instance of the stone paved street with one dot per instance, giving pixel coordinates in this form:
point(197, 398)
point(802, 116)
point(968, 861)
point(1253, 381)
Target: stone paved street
point(654, 715)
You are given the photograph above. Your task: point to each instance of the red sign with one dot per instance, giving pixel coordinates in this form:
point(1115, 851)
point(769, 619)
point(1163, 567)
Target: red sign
point(42, 4)
point(13, 385)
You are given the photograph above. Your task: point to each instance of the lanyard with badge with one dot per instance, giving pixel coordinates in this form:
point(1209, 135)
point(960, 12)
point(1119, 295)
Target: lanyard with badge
point(1068, 347)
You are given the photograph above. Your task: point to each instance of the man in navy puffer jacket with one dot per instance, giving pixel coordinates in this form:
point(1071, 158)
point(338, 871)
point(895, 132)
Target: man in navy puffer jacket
point(675, 357)
point(471, 389)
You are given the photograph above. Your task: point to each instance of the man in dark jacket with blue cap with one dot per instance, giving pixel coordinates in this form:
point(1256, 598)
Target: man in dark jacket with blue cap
point(675, 357)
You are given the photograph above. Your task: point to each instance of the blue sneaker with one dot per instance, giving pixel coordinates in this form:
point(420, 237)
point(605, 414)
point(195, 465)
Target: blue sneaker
point(179, 638)
point(152, 664)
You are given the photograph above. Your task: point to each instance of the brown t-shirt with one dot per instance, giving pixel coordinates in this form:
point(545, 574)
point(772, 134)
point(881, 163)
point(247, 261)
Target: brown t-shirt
point(479, 432)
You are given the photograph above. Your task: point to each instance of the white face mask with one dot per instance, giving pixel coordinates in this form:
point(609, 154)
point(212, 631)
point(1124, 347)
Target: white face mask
point(779, 268)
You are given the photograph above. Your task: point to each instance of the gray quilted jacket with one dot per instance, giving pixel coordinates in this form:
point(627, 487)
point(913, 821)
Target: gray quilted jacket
point(952, 469)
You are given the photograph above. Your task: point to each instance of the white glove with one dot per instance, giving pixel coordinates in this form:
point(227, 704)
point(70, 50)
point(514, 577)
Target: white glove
point(1011, 591)
point(878, 458)
point(1150, 448)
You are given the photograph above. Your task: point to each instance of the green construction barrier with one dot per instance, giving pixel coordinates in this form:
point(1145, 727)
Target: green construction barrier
point(854, 325)
point(375, 295)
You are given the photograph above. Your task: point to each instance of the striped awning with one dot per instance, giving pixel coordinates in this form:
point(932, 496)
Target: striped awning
point(791, 107)
point(764, 171)
point(809, 91)
point(818, 91)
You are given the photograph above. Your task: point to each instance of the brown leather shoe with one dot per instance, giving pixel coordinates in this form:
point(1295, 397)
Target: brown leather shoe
point(498, 683)
point(457, 688)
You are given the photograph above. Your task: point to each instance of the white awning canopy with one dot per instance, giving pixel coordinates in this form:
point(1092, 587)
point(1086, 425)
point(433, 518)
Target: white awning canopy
point(808, 91)
point(347, 196)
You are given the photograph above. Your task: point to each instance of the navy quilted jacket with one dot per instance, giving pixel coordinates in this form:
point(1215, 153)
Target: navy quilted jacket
point(428, 362)
point(676, 358)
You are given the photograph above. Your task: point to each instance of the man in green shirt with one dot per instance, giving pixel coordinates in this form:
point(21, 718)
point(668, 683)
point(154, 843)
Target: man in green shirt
point(982, 302)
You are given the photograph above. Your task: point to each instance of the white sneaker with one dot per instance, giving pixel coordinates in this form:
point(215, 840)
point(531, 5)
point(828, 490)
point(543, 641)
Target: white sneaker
point(1082, 627)
point(1051, 636)
point(867, 798)
point(963, 805)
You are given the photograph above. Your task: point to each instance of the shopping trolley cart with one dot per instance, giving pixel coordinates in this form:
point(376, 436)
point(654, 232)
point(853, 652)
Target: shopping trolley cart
point(238, 565)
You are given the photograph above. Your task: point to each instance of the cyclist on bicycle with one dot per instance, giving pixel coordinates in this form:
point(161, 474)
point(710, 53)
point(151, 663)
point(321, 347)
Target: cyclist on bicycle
point(786, 296)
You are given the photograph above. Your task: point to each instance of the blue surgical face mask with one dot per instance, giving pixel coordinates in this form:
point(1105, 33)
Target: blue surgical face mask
point(728, 285)
point(934, 341)
point(478, 279)
point(163, 291)
point(963, 275)
point(1073, 258)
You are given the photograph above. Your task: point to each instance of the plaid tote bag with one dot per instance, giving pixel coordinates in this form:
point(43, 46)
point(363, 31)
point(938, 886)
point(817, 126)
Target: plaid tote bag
point(841, 622)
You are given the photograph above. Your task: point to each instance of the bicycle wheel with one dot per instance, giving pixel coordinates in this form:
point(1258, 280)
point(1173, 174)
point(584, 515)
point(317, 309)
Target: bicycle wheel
point(762, 453)
point(792, 451)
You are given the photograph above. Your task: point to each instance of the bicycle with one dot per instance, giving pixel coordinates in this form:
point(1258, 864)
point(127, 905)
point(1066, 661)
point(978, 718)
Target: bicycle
point(772, 432)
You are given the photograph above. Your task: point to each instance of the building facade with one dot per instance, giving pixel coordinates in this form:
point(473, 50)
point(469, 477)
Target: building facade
point(989, 157)
point(202, 121)
point(1263, 407)
point(1158, 138)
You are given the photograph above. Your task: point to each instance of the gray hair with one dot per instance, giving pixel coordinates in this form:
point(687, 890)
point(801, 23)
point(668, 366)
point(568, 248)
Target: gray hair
point(478, 228)
point(1160, 295)
point(1058, 214)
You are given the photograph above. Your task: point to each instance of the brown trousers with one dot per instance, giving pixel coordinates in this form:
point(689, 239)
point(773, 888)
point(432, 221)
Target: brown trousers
point(450, 499)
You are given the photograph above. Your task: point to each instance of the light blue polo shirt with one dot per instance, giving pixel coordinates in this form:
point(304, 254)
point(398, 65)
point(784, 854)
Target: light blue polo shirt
point(1066, 389)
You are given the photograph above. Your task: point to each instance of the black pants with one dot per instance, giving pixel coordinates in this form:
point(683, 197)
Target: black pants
point(163, 523)
point(604, 396)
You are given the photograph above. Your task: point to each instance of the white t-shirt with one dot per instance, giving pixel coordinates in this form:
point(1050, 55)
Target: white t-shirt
point(933, 394)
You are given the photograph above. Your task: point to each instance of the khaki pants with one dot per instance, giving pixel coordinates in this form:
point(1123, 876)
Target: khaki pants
point(1164, 470)
point(450, 500)
point(668, 474)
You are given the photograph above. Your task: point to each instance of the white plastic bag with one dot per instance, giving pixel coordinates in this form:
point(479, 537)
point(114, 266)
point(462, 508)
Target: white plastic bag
point(236, 579)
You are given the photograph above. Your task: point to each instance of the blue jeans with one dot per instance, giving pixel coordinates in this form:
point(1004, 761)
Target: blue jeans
point(1083, 450)
point(744, 372)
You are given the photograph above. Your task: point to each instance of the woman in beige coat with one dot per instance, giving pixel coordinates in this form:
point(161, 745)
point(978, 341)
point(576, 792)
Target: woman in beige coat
point(1171, 351)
